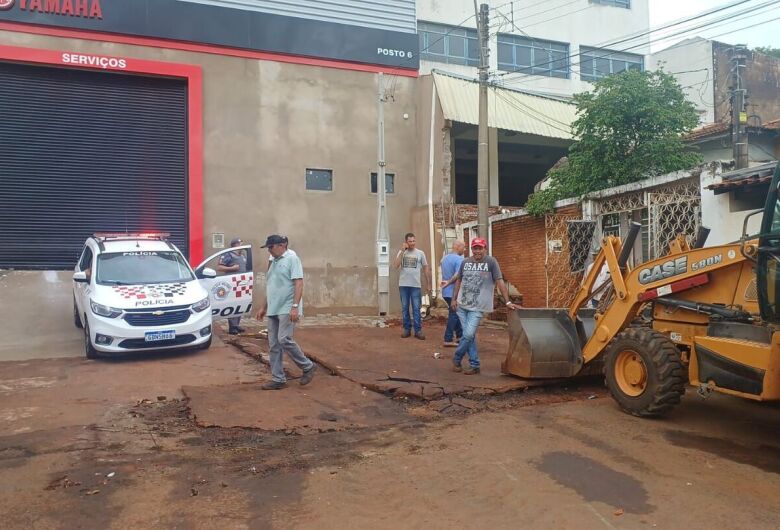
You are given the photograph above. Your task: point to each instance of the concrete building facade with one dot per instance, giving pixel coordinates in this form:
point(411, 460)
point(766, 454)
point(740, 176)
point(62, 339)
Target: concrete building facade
point(553, 48)
point(279, 124)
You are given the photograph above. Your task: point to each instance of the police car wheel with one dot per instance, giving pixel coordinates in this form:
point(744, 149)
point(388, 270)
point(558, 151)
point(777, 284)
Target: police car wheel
point(76, 317)
point(89, 350)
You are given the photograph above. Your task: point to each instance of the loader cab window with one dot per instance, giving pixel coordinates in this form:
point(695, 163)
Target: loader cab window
point(768, 273)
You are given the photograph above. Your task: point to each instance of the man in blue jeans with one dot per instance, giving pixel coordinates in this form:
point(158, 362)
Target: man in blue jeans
point(450, 265)
point(473, 298)
point(414, 275)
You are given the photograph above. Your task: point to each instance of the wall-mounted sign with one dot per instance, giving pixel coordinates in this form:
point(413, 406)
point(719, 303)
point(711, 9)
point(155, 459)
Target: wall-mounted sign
point(72, 8)
point(219, 25)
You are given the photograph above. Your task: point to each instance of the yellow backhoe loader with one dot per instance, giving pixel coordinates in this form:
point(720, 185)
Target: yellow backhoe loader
point(706, 316)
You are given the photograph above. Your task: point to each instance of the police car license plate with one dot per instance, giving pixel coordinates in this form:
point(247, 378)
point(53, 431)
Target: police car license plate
point(154, 336)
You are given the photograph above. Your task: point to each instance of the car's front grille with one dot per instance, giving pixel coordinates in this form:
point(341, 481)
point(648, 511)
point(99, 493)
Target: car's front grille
point(149, 318)
point(180, 340)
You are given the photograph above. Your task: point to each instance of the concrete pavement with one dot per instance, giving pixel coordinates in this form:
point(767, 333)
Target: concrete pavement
point(36, 316)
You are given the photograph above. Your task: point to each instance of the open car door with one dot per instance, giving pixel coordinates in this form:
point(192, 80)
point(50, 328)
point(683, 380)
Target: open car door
point(230, 293)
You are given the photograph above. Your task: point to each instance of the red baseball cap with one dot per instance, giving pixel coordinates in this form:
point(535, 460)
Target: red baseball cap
point(478, 242)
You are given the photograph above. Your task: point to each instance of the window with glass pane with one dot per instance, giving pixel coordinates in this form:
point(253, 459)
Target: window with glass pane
point(596, 63)
point(614, 3)
point(389, 182)
point(448, 44)
point(319, 179)
point(533, 56)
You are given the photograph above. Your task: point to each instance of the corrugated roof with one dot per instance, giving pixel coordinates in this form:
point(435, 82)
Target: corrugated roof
point(742, 178)
point(710, 129)
point(507, 109)
point(772, 125)
point(717, 129)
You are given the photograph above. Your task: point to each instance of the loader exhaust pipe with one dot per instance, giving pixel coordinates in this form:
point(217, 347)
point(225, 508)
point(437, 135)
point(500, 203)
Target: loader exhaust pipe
point(701, 237)
point(628, 244)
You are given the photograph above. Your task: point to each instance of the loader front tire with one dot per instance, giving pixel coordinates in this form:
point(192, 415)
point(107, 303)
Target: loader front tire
point(644, 372)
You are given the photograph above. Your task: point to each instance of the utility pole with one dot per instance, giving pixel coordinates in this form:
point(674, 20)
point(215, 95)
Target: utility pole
point(483, 176)
point(382, 231)
point(738, 107)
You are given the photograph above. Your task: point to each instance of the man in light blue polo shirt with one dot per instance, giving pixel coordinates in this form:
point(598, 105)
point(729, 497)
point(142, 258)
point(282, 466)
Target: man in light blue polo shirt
point(284, 307)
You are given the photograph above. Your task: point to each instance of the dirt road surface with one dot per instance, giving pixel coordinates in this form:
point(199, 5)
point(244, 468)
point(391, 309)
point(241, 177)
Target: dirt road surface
point(116, 444)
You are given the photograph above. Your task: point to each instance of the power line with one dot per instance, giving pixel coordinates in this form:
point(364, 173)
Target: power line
point(530, 111)
point(631, 37)
point(539, 115)
point(546, 10)
point(726, 19)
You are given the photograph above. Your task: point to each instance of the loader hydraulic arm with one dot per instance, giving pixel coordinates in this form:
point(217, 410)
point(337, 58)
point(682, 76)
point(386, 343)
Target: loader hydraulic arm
point(615, 255)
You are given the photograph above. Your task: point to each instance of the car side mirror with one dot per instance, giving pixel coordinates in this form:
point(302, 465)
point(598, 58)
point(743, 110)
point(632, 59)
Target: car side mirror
point(208, 273)
point(80, 277)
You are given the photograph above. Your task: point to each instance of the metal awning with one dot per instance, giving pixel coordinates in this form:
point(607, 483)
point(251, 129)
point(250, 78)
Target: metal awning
point(742, 178)
point(507, 109)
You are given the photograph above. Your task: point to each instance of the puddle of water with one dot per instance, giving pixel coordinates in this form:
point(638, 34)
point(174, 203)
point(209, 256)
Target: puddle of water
point(764, 457)
point(595, 482)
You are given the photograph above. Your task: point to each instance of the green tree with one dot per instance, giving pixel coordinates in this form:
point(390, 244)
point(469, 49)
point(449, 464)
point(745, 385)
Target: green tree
point(628, 128)
point(769, 50)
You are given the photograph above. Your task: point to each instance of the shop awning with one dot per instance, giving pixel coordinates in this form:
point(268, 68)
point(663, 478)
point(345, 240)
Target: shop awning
point(507, 109)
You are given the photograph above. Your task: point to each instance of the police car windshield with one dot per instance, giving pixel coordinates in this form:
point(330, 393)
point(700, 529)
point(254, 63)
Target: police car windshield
point(134, 268)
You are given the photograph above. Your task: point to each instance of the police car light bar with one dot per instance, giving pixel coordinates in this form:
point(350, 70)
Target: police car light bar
point(132, 235)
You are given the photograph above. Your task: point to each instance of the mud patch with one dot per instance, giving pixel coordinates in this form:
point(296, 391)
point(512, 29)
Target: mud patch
point(763, 457)
point(596, 482)
point(327, 404)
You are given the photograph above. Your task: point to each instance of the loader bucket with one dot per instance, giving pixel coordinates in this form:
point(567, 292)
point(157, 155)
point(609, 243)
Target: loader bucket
point(545, 343)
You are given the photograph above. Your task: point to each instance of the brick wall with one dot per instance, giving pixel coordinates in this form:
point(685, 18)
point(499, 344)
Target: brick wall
point(519, 246)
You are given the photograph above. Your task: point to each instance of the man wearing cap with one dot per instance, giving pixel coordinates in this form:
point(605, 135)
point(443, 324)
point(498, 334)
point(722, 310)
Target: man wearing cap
point(473, 298)
point(231, 263)
point(283, 305)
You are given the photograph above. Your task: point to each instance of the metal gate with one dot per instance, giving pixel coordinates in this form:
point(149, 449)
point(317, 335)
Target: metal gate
point(568, 242)
point(669, 215)
point(84, 152)
point(664, 212)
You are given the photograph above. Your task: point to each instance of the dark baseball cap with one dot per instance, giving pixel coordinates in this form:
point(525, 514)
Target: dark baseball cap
point(236, 241)
point(274, 240)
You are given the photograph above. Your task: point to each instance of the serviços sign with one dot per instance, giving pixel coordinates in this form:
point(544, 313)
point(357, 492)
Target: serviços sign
point(94, 61)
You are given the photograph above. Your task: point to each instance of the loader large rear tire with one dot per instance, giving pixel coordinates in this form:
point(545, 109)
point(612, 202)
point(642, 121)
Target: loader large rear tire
point(644, 372)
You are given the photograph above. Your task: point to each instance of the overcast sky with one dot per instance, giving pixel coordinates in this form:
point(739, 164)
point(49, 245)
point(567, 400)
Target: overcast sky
point(665, 11)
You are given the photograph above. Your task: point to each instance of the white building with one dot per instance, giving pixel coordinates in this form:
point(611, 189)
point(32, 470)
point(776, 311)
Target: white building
point(691, 62)
point(552, 47)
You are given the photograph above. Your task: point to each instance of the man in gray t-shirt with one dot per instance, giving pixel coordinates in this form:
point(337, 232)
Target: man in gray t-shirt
point(473, 297)
point(414, 277)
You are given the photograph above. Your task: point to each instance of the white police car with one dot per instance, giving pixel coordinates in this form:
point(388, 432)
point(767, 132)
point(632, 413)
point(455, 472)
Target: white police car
point(134, 292)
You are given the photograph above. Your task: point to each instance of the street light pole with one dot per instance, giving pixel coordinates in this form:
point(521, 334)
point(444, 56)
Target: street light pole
point(382, 231)
point(483, 176)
